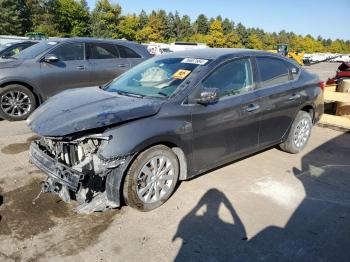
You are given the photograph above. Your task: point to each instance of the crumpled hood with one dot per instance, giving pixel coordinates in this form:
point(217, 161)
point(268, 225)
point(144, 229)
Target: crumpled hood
point(87, 108)
point(10, 63)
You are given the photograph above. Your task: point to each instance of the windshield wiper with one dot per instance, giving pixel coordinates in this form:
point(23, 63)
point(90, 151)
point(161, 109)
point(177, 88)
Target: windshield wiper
point(129, 94)
point(8, 57)
point(162, 94)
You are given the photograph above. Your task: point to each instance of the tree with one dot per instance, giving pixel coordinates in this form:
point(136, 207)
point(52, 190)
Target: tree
point(201, 25)
point(177, 25)
point(233, 40)
point(143, 19)
point(242, 32)
point(254, 42)
point(169, 31)
point(43, 16)
point(227, 26)
point(128, 27)
point(153, 31)
point(216, 37)
point(73, 17)
point(185, 28)
point(105, 19)
point(14, 18)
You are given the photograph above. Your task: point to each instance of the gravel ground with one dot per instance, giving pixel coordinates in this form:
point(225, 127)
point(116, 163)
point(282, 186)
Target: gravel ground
point(323, 70)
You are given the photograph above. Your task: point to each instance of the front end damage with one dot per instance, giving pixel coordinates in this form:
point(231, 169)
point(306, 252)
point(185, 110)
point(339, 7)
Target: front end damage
point(77, 171)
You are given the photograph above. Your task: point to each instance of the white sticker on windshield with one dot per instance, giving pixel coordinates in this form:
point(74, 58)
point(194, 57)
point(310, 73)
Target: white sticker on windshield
point(195, 61)
point(52, 43)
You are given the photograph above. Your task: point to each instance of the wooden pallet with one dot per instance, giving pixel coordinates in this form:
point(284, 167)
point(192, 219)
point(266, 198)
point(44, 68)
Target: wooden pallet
point(330, 95)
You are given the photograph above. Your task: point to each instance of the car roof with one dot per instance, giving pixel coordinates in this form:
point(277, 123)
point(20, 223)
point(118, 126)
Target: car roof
point(89, 39)
point(215, 53)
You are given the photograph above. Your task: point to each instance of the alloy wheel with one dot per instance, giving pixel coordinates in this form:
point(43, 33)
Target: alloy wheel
point(15, 103)
point(155, 179)
point(301, 133)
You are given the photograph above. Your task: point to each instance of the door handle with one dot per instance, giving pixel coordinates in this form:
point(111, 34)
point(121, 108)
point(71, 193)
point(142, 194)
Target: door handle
point(251, 108)
point(294, 96)
point(81, 67)
point(123, 65)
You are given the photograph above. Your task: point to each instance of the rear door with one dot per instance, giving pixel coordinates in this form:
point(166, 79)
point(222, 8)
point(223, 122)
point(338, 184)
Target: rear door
point(70, 71)
point(106, 63)
point(278, 99)
point(228, 128)
point(129, 56)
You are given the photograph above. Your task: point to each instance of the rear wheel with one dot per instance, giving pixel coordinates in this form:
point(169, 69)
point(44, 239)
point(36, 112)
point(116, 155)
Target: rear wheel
point(299, 134)
point(16, 102)
point(151, 178)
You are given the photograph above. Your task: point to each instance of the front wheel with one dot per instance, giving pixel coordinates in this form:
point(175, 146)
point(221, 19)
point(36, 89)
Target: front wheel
point(16, 102)
point(299, 133)
point(151, 178)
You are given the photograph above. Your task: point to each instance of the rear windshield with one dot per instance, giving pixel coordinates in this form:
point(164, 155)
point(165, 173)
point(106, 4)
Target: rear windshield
point(157, 77)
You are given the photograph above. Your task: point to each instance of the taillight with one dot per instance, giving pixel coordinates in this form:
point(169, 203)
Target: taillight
point(322, 85)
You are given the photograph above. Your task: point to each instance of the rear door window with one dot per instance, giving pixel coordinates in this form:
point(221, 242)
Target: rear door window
point(69, 52)
point(126, 52)
point(234, 77)
point(102, 51)
point(272, 71)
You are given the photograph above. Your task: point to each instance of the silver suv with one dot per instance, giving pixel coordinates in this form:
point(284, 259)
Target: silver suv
point(45, 69)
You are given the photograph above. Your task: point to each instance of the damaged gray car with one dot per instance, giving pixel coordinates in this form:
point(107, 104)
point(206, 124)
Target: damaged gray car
point(168, 119)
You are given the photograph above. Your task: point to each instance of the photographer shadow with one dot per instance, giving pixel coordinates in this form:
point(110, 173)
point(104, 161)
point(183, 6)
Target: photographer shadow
point(318, 230)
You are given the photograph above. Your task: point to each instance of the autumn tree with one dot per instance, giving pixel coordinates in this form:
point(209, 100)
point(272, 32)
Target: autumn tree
point(216, 37)
point(128, 26)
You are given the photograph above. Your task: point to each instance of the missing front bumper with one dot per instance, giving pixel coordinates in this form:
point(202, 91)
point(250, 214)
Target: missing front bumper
point(100, 192)
point(55, 170)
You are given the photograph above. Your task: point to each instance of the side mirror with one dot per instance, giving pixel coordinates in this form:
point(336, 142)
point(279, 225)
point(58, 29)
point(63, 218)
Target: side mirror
point(50, 58)
point(208, 96)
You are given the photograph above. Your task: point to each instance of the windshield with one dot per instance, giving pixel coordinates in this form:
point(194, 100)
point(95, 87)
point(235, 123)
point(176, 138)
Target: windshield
point(157, 77)
point(2, 47)
point(35, 50)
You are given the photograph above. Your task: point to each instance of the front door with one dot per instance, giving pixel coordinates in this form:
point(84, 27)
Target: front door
point(70, 71)
point(228, 128)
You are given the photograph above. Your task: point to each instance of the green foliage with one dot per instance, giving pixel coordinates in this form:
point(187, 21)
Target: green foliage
point(216, 37)
point(128, 27)
point(201, 25)
point(105, 19)
point(73, 18)
point(14, 17)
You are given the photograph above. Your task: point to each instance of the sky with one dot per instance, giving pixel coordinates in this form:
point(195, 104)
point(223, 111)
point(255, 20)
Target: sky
point(328, 18)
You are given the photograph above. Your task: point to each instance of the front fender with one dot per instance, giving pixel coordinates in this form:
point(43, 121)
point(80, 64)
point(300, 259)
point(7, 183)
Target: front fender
point(135, 136)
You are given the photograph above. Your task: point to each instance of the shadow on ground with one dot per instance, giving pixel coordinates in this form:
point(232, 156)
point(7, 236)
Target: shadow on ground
point(318, 230)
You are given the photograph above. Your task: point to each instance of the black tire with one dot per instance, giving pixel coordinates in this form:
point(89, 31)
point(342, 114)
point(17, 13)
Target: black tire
point(292, 145)
point(132, 184)
point(29, 103)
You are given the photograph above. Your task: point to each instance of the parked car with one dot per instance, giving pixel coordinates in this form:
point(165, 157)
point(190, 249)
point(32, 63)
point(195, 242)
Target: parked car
point(171, 118)
point(343, 72)
point(11, 49)
point(47, 68)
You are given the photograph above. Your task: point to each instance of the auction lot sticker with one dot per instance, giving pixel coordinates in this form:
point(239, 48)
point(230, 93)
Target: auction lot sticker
point(181, 74)
point(195, 61)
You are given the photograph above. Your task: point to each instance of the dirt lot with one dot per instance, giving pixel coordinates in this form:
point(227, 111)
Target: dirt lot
point(323, 70)
point(272, 206)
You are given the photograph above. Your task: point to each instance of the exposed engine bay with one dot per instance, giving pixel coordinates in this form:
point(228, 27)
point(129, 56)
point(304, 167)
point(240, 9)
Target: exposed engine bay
point(76, 170)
